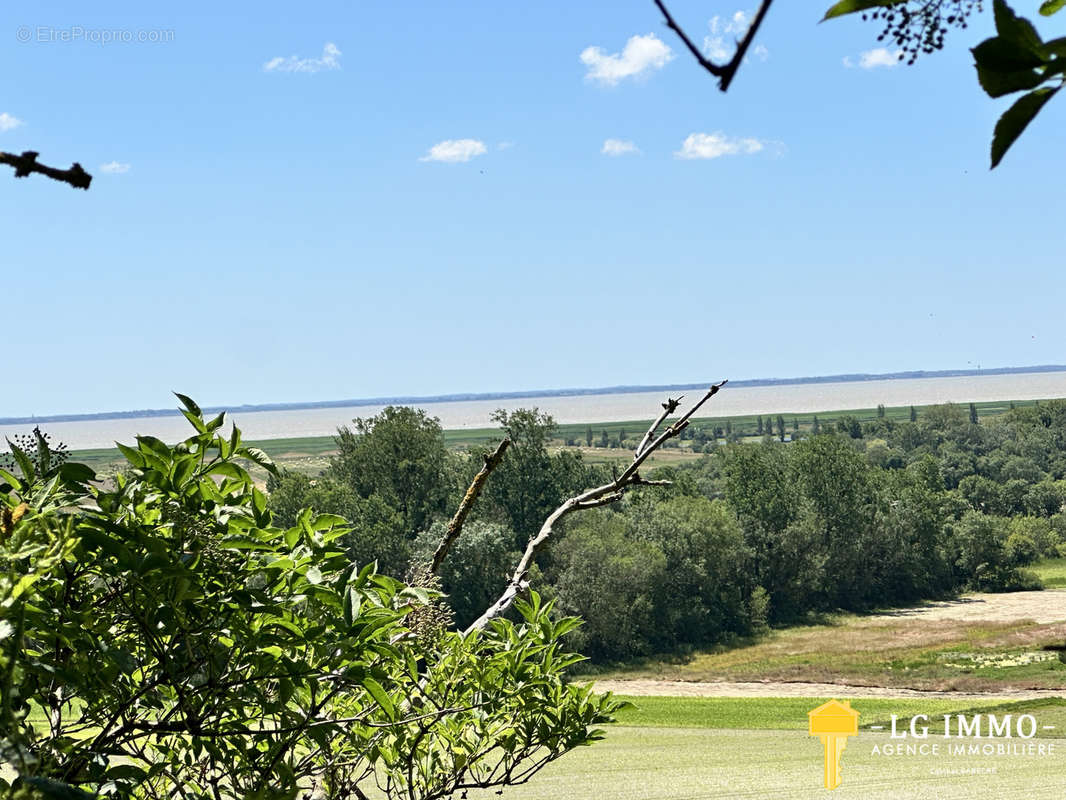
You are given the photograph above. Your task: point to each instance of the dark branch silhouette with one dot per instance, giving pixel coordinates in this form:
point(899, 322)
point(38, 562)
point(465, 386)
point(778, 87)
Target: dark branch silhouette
point(26, 164)
point(724, 72)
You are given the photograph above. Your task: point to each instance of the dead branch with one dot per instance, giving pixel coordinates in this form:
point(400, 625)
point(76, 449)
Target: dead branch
point(592, 498)
point(724, 72)
point(455, 527)
point(26, 164)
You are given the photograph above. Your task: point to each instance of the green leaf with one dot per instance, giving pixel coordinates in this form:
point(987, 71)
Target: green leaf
point(230, 470)
point(1056, 47)
point(157, 446)
point(79, 473)
point(999, 55)
point(244, 543)
point(28, 472)
point(216, 423)
point(1017, 30)
point(380, 697)
point(1015, 120)
point(196, 421)
point(257, 456)
point(23, 585)
point(189, 404)
point(997, 84)
point(1049, 7)
point(126, 772)
point(55, 790)
point(132, 456)
point(852, 6)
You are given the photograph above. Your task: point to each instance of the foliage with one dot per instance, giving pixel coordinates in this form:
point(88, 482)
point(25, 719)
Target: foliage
point(658, 575)
point(1017, 59)
point(376, 530)
point(400, 456)
point(163, 638)
point(477, 568)
point(610, 578)
point(531, 482)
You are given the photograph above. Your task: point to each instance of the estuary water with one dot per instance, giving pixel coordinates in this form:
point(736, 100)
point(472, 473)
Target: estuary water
point(731, 401)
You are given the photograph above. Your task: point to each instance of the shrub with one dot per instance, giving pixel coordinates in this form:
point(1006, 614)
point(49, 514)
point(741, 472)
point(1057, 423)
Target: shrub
point(165, 638)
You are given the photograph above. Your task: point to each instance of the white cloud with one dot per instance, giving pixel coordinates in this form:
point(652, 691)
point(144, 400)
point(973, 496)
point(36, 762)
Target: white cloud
point(8, 122)
point(505, 145)
point(115, 168)
point(641, 55)
point(618, 147)
point(713, 145)
point(714, 44)
point(878, 57)
point(454, 151)
point(330, 59)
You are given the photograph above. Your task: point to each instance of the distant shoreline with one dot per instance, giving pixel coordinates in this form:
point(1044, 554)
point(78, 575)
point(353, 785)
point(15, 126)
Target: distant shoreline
point(465, 397)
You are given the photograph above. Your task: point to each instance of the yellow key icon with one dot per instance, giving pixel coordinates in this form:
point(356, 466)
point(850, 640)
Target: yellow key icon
point(833, 722)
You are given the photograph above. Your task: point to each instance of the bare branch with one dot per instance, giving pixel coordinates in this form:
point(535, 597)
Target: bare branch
point(26, 163)
point(669, 407)
point(455, 527)
point(724, 72)
point(592, 498)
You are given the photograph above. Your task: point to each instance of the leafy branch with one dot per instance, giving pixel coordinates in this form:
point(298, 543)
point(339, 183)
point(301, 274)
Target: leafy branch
point(1016, 59)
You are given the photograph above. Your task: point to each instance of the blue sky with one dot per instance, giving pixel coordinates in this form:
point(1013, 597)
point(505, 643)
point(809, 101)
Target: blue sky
point(269, 220)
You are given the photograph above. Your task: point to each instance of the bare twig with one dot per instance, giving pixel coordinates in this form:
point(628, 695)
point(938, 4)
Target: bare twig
point(26, 163)
point(669, 407)
point(592, 498)
point(724, 72)
point(455, 527)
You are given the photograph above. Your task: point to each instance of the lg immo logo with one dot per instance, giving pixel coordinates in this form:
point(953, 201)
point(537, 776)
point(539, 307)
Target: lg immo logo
point(833, 722)
point(962, 735)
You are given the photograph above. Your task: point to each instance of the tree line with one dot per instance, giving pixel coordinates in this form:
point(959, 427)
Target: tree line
point(852, 516)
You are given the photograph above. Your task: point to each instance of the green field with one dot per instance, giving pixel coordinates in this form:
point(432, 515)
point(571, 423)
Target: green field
point(684, 749)
point(968, 655)
point(1052, 572)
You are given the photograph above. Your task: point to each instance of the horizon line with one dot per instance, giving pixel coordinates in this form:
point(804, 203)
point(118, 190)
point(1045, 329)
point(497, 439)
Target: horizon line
point(532, 393)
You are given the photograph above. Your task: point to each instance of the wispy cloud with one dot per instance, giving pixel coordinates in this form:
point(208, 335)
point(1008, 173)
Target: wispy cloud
point(505, 145)
point(330, 59)
point(640, 56)
point(115, 168)
point(619, 147)
point(8, 122)
point(878, 57)
point(715, 145)
point(455, 151)
point(720, 44)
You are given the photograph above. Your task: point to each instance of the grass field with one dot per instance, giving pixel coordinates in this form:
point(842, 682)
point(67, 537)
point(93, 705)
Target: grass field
point(1052, 572)
point(683, 749)
point(959, 655)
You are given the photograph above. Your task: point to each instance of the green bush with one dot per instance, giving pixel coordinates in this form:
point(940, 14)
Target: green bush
point(164, 638)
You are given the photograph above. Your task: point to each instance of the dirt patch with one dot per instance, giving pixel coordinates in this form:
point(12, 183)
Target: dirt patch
point(900, 653)
point(646, 688)
point(1040, 607)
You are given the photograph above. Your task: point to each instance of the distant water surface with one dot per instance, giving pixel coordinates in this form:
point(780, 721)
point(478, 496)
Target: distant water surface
point(795, 398)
